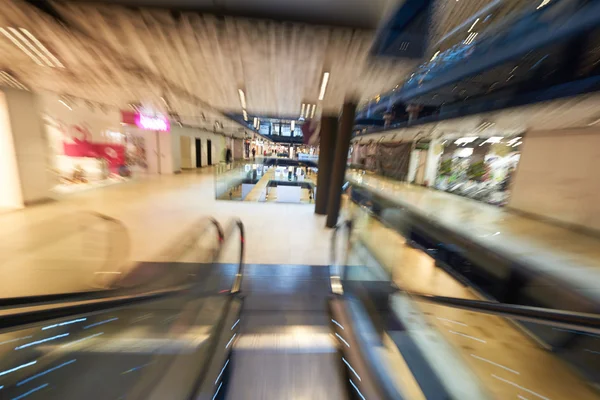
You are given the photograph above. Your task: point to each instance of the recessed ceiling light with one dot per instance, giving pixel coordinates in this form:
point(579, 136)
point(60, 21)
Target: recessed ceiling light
point(242, 98)
point(65, 104)
point(11, 81)
point(324, 85)
point(303, 109)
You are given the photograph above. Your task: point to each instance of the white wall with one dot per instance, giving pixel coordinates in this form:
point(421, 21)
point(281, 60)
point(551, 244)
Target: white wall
point(30, 145)
point(10, 192)
point(557, 177)
point(218, 146)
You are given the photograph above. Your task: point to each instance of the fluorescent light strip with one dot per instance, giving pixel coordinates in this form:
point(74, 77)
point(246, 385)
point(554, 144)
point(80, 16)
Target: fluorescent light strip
point(496, 364)
point(31, 46)
point(234, 325)
point(12, 81)
point(312, 114)
point(473, 26)
point(245, 115)
point(520, 387)
point(351, 369)
point(231, 340)
point(222, 370)
point(435, 55)
point(45, 372)
point(217, 392)
point(324, 86)
point(469, 41)
point(357, 391)
point(44, 49)
point(100, 323)
point(337, 323)
point(41, 341)
point(342, 339)
point(20, 46)
point(242, 98)
point(8, 371)
point(255, 121)
point(65, 104)
point(64, 323)
point(303, 110)
point(30, 392)
point(292, 125)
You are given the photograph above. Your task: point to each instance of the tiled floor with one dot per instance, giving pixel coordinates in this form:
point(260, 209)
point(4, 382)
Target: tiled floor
point(42, 249)
point(566, 255)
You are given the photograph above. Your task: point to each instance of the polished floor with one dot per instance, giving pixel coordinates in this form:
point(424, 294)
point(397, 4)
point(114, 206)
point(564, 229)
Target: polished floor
point(564, 254)
point(58, 247)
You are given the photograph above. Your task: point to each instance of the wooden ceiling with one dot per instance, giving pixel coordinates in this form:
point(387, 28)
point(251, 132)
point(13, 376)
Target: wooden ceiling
point(197, 62)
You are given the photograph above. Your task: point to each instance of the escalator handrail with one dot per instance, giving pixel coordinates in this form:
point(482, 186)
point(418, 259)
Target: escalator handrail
point(33, 313)
point(237, 223)
point(335, 277)
point(45, 299)
point(585, 322)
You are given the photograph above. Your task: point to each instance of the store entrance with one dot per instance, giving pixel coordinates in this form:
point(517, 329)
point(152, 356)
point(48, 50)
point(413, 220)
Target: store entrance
point(198, 153)
point(209, 152)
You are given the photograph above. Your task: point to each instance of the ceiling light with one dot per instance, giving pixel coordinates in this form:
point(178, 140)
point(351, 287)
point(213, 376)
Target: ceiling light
point(543, 4)
point(324, 85)
point(472, 37)
point(65, 104)
point(493, 140)
point(292, 125)
point(242, 98)
point(11, 81)
point(517, 144)
point(43, 48)
point(513, 141)
point(465, 140)
point(245, 115)
point(302, 111)
point(20, 46)
point(258, 124)
point(32, 47)
point(432, 58)
point(473, 26)
point(312, 114)
point(255, 122)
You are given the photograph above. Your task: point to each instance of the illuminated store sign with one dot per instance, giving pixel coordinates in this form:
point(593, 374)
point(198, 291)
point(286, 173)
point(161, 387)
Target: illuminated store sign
point(149, 123)
point(146, 122)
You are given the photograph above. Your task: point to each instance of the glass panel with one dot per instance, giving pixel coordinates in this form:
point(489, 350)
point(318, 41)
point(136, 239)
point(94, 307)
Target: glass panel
point(465, 354)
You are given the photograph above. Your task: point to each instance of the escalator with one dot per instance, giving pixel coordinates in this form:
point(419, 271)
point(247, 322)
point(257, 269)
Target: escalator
point(238, 332)
point(274, 332)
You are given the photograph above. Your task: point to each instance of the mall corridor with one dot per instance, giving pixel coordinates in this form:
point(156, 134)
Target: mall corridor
point(300, 199)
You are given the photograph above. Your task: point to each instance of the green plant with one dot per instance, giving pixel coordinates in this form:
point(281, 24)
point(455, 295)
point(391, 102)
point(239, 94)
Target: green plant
point(476, 171)
point(446, 168)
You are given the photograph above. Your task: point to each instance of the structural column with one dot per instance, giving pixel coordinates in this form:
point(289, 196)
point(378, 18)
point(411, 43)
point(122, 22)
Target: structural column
point(326, 154)
point(342, 145)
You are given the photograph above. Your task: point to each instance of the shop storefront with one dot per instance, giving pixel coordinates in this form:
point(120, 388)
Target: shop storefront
point(479, 168)
point(93, 147)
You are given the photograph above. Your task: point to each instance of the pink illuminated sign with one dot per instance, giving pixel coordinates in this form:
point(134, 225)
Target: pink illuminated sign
point(157, 123)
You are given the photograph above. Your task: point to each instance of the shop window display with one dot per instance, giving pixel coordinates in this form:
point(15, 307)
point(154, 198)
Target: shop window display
point(85, 158)
point(482, 175)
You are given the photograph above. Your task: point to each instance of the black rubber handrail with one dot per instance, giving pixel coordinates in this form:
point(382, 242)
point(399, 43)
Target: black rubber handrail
point(577, 321)
point(558, 318)
point(33, 313)
point(36, 300)
point(237, 223)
